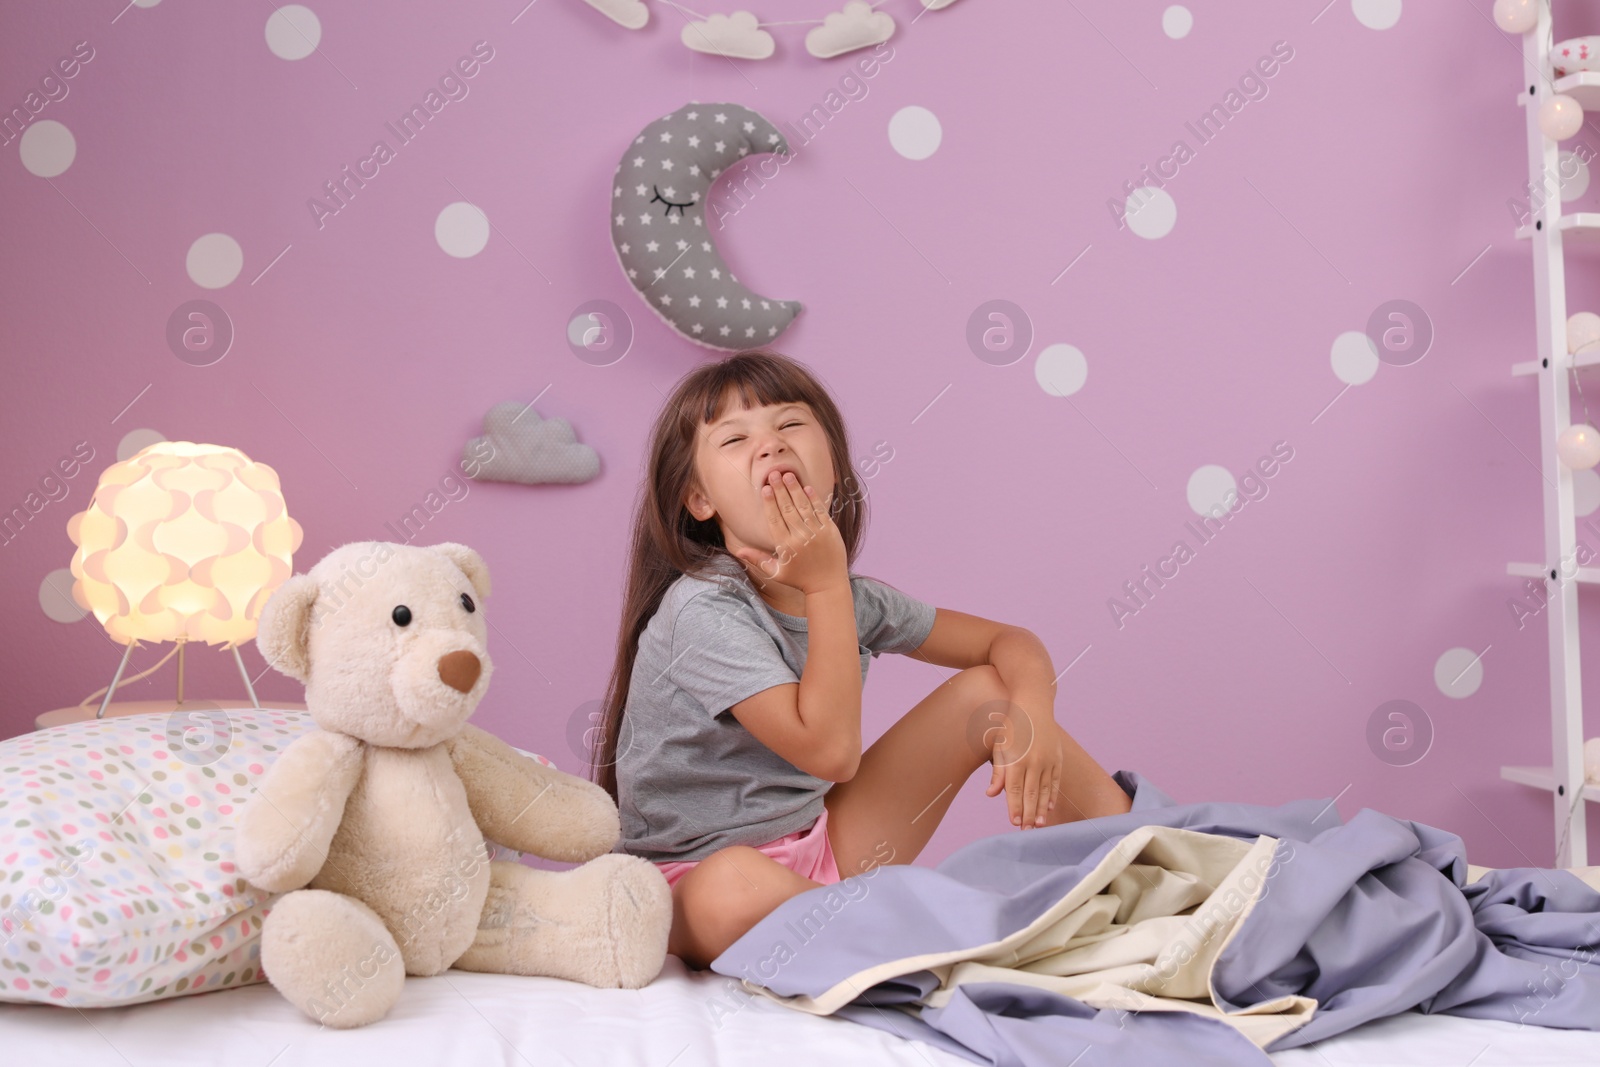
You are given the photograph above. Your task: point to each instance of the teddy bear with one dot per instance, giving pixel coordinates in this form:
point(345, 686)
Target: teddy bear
point(373, 826)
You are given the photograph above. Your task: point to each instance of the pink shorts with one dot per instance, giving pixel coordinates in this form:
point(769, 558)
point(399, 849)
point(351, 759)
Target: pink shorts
point(806, 852)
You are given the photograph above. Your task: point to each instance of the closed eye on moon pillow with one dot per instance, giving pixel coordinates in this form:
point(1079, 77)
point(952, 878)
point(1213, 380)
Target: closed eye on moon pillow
point(659, 233)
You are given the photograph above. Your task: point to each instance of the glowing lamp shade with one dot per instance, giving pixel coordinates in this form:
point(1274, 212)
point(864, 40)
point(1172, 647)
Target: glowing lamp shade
point(182, 542)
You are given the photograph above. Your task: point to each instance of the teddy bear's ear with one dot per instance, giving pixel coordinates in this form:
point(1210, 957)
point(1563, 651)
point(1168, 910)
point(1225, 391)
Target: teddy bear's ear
point(471, 564)
point(283, 634)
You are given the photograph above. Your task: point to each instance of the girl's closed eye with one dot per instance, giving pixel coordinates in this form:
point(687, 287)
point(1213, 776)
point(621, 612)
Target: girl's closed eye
point(740, 437)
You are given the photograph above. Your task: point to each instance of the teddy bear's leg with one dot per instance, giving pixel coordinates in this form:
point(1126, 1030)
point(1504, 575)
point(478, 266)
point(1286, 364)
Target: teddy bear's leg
point(604, 924)
point(331, 957)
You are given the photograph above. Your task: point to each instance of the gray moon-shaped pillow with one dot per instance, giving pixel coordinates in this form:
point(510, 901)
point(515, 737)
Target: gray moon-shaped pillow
point(659, 232)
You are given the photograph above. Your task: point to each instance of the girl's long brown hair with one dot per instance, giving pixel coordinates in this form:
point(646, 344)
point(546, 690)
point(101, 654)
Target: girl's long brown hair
point(668, 542)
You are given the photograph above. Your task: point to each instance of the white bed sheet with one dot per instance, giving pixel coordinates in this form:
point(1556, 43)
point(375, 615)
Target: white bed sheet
point(682, 1019)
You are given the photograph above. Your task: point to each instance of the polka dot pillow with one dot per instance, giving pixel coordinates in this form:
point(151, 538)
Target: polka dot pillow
point(117, 882)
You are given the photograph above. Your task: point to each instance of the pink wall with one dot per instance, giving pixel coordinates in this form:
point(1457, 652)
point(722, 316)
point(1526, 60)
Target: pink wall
point(1377, 166)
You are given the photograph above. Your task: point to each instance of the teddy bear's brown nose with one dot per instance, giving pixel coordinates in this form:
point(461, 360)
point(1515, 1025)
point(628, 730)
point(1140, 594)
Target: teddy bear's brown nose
point(459, 670)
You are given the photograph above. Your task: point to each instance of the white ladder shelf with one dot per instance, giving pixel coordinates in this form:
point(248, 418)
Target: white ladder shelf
point(1546, 230)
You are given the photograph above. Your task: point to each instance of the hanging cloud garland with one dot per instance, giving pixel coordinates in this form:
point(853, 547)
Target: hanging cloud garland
point(740, 35)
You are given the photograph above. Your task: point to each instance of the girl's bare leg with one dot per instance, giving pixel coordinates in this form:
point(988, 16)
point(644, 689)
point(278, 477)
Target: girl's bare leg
point(1086, 790)
point(907, 778)
point(722, 897)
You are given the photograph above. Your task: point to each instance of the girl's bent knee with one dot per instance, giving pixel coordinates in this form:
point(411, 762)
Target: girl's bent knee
point(719, 900)
point(983, 682)
point(728, 860)
point(720, 886)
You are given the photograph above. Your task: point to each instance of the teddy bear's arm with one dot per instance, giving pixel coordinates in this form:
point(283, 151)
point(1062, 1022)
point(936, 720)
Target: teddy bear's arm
point(284, 832)
point(522, 804)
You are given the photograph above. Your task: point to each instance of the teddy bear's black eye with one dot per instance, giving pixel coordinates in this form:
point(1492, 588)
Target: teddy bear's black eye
point(401, 616)
point(466, 602)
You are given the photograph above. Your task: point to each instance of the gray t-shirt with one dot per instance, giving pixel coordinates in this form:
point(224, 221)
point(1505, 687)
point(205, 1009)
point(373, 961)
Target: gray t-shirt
point(690, 778)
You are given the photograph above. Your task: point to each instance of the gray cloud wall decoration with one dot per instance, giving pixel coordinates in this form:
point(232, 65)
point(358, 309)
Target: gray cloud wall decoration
point(519, 446)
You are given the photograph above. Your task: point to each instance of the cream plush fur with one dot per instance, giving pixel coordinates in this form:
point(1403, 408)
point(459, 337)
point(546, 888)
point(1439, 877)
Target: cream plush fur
point(373, 825)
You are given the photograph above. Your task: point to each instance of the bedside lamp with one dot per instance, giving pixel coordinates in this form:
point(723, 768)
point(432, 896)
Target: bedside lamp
point(182, 542)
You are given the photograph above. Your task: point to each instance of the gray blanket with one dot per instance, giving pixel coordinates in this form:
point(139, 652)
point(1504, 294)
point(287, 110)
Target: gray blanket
point(1204, 933)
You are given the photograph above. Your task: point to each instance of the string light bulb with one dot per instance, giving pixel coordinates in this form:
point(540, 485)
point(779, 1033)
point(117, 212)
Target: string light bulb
point(1516, 16)
point(1560, 116)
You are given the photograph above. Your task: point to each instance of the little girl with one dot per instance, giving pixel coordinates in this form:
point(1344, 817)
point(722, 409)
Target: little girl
point(731, 738)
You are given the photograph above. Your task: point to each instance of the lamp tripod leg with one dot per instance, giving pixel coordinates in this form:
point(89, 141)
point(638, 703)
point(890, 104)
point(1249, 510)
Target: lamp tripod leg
point(246, 676)
point(115, 678)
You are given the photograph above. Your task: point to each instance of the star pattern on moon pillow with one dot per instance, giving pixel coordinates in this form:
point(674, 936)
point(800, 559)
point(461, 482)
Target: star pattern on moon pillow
point(658, 229)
